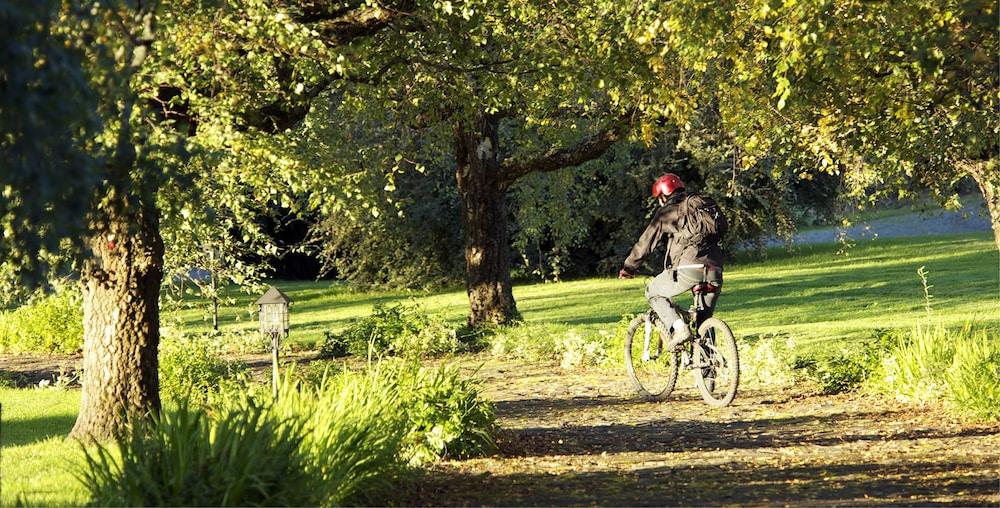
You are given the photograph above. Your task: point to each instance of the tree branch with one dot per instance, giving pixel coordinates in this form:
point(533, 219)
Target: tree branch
point(278, 117)
point(341, 25)
point(557, 158)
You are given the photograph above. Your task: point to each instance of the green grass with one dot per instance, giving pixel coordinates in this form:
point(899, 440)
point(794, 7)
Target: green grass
point(37, 459)
point(813, 295)
point(316, 307)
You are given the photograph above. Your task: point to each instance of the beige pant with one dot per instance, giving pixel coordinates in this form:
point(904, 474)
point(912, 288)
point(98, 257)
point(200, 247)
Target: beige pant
point(673, 282)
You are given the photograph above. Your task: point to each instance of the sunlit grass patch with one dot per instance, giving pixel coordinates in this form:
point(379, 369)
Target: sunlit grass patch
point(820, 299)
point(37, 460)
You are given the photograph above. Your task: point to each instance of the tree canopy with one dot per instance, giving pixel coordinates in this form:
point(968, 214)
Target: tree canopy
point(893, 96)
point(48, 112)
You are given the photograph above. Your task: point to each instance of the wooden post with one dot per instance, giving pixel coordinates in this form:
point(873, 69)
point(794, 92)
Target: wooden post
point(274, 361)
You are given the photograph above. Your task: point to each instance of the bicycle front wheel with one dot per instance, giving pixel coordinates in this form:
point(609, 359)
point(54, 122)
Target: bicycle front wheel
point(651, 368)
point(716, 363)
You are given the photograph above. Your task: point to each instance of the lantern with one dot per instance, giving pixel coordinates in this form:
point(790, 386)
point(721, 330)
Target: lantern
point(274, 313)
point(274, 324)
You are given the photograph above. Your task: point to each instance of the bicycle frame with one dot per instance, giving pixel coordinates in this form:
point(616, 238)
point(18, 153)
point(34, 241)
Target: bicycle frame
point(690, 317)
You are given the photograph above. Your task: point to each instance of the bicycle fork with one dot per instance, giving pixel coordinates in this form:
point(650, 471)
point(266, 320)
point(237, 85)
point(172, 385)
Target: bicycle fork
point(647, 335)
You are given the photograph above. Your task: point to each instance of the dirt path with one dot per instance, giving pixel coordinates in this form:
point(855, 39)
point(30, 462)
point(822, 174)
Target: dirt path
point(578, 438)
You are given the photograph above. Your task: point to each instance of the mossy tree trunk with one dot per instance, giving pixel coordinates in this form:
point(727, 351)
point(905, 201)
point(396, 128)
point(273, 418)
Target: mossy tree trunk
point(484, 219)
point(121, 288)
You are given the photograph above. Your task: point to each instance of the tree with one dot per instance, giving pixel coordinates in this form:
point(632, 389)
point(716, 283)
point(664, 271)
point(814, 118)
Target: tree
point(121, 277)
point(886, 94)
point(510, 89)
point(69, 115)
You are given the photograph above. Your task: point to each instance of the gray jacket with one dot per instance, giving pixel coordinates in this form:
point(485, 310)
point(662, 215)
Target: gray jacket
point(665, 222)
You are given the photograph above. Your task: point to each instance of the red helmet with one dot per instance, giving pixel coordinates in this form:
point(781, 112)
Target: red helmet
point(666, 185)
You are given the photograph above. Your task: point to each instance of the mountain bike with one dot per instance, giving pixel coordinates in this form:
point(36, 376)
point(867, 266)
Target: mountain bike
point(710, 355)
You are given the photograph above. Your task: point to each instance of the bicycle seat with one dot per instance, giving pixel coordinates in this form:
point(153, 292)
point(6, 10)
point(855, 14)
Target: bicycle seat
point(705, 287)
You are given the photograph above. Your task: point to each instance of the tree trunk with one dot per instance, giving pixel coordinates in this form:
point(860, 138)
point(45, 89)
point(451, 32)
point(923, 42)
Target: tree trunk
point(121, 285)
point(484, 218)
point(987, 176)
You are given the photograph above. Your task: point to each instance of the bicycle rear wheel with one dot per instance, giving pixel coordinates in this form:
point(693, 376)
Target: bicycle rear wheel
point(653, 371)
point(716, 363)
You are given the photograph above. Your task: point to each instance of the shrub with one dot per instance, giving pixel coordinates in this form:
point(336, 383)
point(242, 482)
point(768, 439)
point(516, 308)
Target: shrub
point(521, 341)
point(51, 323)
point(973, 379)
point(13, 293)
point(395, 330)
point(244, 457)
point(846, 370)
point(933, 363)
point(446, 416)
point(767, 361)
point(240, 341)
point(838, 372)
point(335, 345)
point(193, 370)
point(315, 371)
point(605, 347)
point(362, 428)
point(345, 440)
point(572, 347)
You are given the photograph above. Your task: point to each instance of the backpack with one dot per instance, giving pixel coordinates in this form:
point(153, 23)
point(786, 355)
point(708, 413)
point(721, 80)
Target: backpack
point(702, 222)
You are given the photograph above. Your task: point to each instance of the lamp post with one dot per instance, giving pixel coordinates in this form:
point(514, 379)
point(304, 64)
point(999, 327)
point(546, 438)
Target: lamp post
point(273, 307)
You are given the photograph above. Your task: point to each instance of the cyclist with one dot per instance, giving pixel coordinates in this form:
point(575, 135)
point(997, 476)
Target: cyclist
point(690, 255)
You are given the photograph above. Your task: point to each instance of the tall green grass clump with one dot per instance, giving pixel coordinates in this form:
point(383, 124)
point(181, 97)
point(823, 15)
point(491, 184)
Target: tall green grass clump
point(934, 363)
point(49, 323)
point(364, 428)
point(349, 439)
point(913, 370)
point(973, 379)
point(244, 457)
point(354, 428)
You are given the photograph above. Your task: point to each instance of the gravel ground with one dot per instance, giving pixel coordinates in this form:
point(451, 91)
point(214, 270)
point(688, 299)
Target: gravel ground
point(580, 438)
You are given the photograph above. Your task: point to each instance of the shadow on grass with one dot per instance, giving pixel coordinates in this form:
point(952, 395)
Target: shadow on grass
point(750, 482)
point(25, 432)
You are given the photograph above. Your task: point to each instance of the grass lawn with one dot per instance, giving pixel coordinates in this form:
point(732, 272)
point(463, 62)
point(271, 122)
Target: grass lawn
point(813, 295)
point(37, 461)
